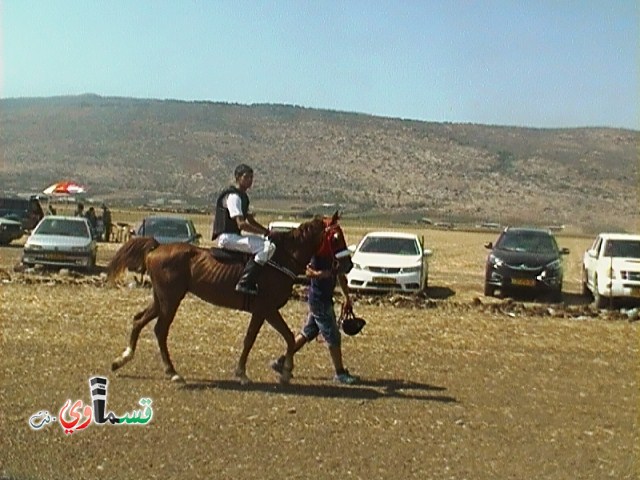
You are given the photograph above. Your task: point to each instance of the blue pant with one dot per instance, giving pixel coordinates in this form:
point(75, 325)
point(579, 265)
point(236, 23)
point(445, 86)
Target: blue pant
point(322, 319)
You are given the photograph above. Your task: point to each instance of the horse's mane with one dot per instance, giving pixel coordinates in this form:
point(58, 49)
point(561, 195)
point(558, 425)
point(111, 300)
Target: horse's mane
point(300, 234)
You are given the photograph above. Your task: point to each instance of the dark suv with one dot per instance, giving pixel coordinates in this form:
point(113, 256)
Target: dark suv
point(524, 259)
point(27, 211)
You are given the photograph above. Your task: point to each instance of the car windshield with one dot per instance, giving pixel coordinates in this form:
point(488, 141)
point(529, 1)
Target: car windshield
point(530, 242)
point(622, 248)
point(63, 227)
point(390, 245)
point(164, 228)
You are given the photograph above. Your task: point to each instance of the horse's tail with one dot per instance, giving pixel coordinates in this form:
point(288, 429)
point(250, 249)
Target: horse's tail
point(131, 256)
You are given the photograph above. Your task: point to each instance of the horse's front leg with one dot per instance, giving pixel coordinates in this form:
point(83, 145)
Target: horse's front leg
point(140, 320)
point(257, 319)
point(276, 321)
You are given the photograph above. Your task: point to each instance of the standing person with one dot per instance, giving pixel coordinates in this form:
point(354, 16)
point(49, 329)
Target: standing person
point(232, 217)
point(106, 222)
point(321, 317)
point(51, 210)
point(79, 210)
point(93, 221)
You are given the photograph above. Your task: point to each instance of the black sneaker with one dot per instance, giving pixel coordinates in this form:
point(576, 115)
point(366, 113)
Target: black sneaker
point(278, 365)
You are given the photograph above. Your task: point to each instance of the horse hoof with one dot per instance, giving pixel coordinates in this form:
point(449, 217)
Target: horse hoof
point(115, 365)
point(177, 379)
point(242, 378)
point(285, 378)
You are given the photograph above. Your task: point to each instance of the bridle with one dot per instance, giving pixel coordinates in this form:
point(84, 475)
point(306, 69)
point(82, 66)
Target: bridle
point(326, 249)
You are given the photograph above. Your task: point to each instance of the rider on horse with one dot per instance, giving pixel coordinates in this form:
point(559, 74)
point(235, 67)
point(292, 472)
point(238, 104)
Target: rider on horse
point(232, 217)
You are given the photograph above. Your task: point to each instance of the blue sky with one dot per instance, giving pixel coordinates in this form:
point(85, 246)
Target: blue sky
point(504, 62)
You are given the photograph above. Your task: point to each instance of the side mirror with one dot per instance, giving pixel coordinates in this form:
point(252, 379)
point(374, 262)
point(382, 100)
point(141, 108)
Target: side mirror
point(198, 236)
point(564, 251)
point(352, 248)
point(489, 245)
point(427, 253)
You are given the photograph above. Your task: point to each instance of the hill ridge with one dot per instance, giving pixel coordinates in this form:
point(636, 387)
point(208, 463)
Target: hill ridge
point(133, 151)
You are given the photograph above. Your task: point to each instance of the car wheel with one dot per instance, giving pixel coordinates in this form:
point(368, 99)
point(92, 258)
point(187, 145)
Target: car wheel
point(489, 291)
point(92, 265)
point(556, 295)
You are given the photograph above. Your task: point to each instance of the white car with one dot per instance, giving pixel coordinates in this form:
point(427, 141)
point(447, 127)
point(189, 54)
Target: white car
point(283, 226)
point(611, 268)
point(387, 261)
point(286, 226)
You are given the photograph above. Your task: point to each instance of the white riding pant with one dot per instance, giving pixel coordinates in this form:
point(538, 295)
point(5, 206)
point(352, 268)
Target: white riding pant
point(260, 246)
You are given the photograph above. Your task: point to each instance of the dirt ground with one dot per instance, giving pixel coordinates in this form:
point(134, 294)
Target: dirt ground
point(453, 385)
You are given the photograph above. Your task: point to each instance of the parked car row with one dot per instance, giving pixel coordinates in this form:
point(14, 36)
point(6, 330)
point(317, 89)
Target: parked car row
point(521, 259)
point(68, 241)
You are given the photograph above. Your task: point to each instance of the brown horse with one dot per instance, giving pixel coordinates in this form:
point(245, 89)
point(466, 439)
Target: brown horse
point(178, 268)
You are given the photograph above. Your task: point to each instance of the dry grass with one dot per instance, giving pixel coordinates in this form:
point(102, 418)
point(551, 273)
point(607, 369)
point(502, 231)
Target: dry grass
point(454, 388)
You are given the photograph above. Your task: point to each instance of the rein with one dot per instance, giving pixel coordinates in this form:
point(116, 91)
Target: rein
point(297, 264)
point(282, 269)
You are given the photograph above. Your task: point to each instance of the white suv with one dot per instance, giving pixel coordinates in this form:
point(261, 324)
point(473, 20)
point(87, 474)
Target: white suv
point(611, 268)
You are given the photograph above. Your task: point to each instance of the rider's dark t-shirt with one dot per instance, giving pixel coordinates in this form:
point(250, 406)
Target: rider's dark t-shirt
point(321, 289)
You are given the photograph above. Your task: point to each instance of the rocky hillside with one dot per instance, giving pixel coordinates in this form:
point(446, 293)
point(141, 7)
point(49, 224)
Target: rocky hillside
point(132, 151)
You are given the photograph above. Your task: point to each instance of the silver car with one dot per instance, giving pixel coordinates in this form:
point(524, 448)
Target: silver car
point(61, 242)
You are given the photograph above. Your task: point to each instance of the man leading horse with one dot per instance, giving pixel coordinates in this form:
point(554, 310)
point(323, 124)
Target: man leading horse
point(176, 269)
point(232, 217)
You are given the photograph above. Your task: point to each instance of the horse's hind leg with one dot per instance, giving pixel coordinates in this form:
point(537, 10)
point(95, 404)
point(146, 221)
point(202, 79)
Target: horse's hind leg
point(140, 319)
point(165, 317)
point(276, 321)
point(257, 319)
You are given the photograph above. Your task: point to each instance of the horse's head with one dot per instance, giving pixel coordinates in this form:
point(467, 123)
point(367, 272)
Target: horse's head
point(334, 245)
point(321, 237)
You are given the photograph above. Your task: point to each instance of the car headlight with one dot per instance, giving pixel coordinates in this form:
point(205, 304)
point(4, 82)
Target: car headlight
point(30, 246)
point(411, 269)
point(79, 249)
point(495, 262)
point(555, 265)
point(357, 266)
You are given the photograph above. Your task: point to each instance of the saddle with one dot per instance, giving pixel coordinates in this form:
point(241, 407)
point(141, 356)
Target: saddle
point(226, 256)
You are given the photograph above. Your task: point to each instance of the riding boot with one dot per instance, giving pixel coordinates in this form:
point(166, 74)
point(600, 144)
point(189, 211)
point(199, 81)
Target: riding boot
point(247, 283)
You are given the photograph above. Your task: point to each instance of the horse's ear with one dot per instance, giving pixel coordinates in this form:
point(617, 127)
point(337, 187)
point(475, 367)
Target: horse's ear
point(335, 218)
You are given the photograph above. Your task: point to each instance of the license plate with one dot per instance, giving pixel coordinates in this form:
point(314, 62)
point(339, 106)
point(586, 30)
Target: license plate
point(389, 280)
point(523, 282)
point(56, 256)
